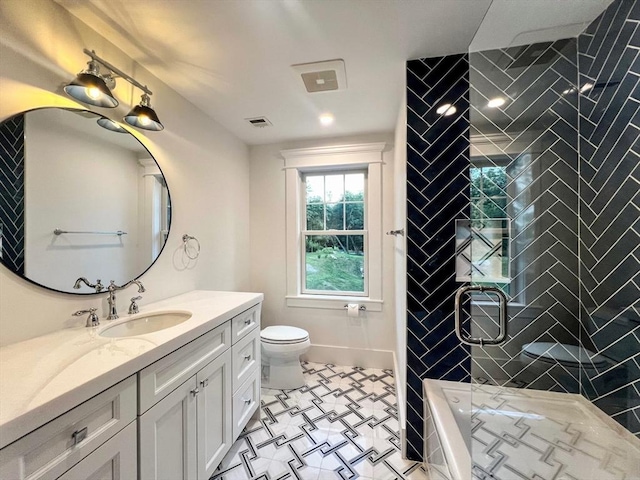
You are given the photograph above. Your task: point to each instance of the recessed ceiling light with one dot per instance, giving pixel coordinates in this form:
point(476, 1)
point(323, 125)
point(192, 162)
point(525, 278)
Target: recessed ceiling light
point(326, 119)
point(585, 87)
point(446, 109)
point(496, 102)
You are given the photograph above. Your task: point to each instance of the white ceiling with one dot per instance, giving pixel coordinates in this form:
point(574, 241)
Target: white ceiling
point(232, 58)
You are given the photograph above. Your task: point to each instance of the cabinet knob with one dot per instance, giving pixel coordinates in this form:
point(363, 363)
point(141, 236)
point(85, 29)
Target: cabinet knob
point(247, 356)
point(247, 321)
point(79, 435)
point(195, 391)
point(204, 382)
point(246, 400)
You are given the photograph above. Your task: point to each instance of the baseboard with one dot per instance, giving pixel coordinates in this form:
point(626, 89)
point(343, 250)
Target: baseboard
point(357, 357)
point(400, 394)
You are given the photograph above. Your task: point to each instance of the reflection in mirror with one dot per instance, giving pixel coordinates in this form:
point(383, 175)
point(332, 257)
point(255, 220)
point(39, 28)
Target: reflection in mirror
point(78, 200)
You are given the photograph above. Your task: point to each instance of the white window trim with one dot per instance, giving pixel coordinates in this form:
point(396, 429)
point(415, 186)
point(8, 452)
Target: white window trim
point(304, 160)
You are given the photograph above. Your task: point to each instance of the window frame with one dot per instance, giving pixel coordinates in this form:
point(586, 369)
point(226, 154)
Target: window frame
point(363, 157)
point(304, 233)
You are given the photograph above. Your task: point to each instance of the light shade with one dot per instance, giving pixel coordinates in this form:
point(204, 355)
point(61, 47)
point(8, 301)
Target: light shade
point(143, 116)
point(109, 124)
point(89, 87)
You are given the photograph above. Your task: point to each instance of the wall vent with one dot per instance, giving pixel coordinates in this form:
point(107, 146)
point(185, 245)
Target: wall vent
point(259, 122)
point(327, 76)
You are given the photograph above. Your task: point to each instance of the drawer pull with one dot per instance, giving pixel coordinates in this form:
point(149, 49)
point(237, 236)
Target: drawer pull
point(247, 356)
point(247, 321)
point(195, 391)
point(204, 383)
point(79, 435)
point(247, 400)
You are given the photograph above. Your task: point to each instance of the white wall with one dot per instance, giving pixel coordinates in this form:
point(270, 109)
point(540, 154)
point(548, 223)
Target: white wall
point(77, 183)
point(373, 330)
point(400, 254)
point(207, 168)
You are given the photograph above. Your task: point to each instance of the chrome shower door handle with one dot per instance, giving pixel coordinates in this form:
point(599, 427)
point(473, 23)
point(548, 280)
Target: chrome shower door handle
point(502, 317)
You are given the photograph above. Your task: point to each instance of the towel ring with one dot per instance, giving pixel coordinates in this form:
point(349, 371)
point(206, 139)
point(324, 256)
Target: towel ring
point(186, 239)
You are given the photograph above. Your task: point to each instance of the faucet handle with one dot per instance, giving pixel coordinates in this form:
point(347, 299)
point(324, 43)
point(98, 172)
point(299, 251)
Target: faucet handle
point(133, 308)
point(92, 319)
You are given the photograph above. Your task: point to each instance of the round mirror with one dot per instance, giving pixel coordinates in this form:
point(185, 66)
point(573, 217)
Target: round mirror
point(78, 198)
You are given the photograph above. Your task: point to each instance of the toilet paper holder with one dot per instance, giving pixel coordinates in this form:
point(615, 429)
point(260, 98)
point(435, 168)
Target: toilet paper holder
point(362, 308)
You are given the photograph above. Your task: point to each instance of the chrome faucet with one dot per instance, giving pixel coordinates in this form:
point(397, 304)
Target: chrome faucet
point(113, 312)
point(98, 285)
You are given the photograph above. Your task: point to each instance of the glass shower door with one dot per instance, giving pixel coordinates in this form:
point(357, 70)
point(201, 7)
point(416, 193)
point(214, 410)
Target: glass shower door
point(518, 255)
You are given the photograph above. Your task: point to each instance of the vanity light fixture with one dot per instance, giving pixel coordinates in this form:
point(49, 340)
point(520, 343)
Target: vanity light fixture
point(91, 87)
point(94, 88)
point(143, 116)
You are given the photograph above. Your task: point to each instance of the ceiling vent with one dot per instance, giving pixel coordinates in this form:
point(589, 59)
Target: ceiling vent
point(259, 122)
point(327, 76)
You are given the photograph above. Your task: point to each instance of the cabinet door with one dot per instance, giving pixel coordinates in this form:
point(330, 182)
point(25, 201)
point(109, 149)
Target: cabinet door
point(167, 436)
point(214, 414)
point(114, 460)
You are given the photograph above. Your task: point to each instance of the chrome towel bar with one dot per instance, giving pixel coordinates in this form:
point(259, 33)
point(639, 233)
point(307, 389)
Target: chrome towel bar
point(57, 231)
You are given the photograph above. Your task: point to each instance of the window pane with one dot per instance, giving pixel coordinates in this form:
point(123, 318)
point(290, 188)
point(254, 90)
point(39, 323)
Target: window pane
point(354, 187)
point(334, 188)
point(315, 216)
point(334, 263)
point(335, 216)
point(315, 188)
point(354, 216)
point(494, 181)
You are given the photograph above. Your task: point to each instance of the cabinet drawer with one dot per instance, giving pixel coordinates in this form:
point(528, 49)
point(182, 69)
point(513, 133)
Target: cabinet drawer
point(162, 377)
point(51, 450)
point(115, 460)
point(245, 402)
point(242, 324)
point(246, 357)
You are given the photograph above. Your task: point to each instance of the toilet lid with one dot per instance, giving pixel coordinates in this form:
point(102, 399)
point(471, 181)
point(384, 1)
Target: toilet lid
point(283, 334)
point(569, 355)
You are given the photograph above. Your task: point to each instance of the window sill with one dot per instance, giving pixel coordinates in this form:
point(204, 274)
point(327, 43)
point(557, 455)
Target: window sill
point(332, 303)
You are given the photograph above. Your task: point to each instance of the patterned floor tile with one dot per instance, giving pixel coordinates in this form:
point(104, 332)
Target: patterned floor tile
point(343, 424)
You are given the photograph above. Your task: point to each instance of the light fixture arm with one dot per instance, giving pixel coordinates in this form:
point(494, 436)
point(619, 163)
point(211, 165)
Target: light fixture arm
point(117, 71)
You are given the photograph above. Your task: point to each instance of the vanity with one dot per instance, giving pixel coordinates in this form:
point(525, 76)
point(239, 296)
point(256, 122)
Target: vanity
point(86, 403)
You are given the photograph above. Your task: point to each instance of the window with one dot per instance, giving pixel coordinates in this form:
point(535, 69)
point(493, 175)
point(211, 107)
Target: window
point(334, 231)
point(489, 229)
point(488, 193)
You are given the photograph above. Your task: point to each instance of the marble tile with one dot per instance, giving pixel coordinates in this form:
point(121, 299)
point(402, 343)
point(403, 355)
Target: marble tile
point(343, 424)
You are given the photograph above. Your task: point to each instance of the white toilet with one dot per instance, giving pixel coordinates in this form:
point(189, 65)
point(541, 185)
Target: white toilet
point(281, 350)
point(543, 356)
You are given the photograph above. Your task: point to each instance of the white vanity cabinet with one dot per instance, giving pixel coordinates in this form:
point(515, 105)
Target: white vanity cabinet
point(189, 410)
point(174, 417)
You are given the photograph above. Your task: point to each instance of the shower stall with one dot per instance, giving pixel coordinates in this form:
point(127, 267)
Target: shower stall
point(523, 179)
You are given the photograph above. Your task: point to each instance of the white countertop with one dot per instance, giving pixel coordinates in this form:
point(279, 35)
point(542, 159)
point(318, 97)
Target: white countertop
point(44, 377)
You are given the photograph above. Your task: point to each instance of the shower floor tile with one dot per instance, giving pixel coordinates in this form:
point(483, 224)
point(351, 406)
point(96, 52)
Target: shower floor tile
point(343, 424)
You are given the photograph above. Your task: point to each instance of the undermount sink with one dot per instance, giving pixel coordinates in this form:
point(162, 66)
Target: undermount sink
point(145, 324)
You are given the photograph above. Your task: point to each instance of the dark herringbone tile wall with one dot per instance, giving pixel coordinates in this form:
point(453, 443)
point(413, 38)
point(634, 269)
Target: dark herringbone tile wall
point(437, 194)
point(609, 59)
point(12, 193)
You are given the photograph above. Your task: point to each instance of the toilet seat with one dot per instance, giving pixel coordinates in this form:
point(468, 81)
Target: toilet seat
point(283, 335)
point(563, 354)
